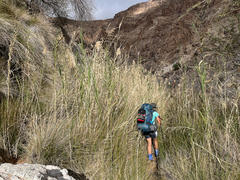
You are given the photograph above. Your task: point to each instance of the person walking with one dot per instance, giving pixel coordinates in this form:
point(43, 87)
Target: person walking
point(152, 136)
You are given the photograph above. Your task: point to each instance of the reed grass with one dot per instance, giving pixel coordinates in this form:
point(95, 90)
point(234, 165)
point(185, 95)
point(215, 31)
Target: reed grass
point(201, 140)
point(90, 120)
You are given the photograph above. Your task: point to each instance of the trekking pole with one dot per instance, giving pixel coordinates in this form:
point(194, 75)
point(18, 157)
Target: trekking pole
point(161, 129)
point(162, 139)
point(162, 132)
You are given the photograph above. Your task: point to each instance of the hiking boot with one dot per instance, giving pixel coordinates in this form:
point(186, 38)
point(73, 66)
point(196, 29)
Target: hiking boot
point(156, 152)
point(150, 157)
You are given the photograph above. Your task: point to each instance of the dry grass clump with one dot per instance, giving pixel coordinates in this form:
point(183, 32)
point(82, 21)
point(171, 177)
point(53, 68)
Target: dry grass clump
point(27, 43)
point(201, 136)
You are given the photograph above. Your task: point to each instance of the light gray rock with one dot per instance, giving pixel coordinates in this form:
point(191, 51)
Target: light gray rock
point(33, 172)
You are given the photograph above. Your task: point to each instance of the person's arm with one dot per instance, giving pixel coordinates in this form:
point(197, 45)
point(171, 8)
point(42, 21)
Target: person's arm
point(159, 120)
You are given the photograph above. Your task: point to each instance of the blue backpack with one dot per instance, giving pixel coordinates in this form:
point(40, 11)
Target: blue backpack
point(145, 124)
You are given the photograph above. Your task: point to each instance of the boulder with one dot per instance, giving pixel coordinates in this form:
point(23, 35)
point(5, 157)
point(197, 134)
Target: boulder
point(36, 172)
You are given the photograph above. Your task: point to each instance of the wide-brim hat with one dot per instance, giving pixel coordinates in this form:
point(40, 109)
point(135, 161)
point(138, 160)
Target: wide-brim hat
point(154, 105)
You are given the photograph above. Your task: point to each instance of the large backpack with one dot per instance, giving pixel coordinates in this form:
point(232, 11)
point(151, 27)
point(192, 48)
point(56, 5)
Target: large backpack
point(144, 123)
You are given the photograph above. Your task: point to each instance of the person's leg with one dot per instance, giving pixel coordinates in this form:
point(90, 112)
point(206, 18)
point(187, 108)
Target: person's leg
point(149, 148)
point(156, 146)
point(155, 143)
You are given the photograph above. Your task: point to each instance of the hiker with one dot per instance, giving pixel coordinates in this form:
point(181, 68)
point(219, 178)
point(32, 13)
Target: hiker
point(153, 135)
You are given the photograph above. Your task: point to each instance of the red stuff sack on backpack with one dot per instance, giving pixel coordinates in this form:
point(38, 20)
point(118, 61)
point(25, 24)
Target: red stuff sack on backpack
point(141, 116)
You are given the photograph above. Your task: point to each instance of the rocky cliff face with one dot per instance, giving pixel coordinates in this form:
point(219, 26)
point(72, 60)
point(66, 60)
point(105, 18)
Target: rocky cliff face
point(160, 33)
point(152, 30)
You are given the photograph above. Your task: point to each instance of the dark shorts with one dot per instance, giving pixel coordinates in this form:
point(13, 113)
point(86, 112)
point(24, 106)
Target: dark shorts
point(151, 134)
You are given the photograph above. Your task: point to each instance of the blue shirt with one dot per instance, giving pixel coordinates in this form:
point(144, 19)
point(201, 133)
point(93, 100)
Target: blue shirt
point(155, 114)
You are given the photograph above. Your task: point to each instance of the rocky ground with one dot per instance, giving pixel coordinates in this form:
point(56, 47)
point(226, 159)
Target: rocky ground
point(37, 172)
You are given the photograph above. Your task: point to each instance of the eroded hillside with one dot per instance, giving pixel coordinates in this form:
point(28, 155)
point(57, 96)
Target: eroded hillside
point(160, 32)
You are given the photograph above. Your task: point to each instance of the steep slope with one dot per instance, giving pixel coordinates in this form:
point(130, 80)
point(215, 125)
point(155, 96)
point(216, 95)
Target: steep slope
point(154, 31)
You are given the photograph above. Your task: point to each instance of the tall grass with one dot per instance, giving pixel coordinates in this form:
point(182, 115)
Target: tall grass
point(90, 123)
point(202, 139)
point(201, 134)
point(85, 120)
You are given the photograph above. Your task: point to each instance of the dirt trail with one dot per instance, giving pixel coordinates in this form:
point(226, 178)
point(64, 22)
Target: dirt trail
point(153, 167)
